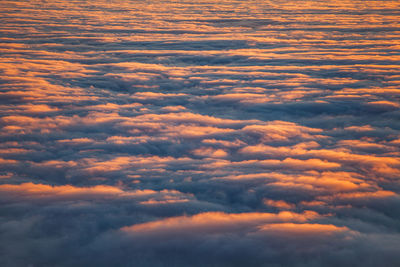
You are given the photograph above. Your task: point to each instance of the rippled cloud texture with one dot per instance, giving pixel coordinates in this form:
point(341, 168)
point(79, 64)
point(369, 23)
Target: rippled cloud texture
point(200, 133)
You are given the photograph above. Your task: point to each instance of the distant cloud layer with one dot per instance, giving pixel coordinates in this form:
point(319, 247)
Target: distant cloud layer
point(199, 133)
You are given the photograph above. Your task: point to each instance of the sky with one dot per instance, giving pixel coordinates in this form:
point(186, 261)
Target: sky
point(200, 133)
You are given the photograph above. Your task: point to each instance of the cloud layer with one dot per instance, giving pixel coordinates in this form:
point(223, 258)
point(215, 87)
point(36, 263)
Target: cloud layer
point(198, 133)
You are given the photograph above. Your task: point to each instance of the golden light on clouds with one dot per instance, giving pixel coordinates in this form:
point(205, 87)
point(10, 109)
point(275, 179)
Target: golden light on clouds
point(199, 133)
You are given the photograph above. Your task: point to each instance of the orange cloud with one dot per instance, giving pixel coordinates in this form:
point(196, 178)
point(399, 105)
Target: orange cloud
point(280, 204)
point(210, 222)
point(210, 152)
point(282, 131)
point(153, 95)
point(43, 191)
point(69, 192)
point(386, 104)
point(297, 164)
point(301, 230)
point(224, 143)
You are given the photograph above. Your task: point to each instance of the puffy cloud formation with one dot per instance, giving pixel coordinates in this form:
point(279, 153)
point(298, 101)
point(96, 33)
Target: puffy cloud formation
point(199, 133)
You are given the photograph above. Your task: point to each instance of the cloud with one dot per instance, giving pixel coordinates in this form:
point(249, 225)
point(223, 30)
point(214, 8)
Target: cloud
point(259, 237)
point(199, 133)
point(210, 222)
point(33, 192)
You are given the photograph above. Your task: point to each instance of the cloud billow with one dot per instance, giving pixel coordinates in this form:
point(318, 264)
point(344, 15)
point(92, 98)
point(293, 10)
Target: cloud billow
point(233, 133)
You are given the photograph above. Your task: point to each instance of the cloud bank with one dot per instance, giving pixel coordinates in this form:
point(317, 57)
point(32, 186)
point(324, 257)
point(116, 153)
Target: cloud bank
point(198, 133)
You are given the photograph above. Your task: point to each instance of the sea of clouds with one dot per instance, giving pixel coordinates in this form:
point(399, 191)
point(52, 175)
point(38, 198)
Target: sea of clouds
point(200, 133)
